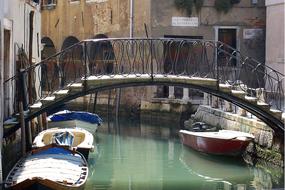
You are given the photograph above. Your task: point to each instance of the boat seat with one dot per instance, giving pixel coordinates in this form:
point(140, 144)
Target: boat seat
point(65, 138)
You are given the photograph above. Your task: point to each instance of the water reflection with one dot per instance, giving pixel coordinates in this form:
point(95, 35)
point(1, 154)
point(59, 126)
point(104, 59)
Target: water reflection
point(140, 156)
point(225, 171)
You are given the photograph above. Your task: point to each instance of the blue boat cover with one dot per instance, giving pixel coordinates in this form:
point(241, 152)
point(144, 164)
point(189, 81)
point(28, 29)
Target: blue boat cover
point(54, 150)
point(78, 115)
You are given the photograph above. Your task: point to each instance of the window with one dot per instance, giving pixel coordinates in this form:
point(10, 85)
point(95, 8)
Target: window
point(48, 4)
point(96, 1)
point(74, 1)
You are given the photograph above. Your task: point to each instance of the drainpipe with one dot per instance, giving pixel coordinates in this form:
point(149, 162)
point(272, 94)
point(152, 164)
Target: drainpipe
point(131, 18)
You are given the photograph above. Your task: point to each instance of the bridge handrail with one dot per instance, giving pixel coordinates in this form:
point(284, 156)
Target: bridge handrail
point(198, 58)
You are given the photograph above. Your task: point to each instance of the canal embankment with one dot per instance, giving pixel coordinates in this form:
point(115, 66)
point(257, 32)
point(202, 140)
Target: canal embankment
point(266, 146)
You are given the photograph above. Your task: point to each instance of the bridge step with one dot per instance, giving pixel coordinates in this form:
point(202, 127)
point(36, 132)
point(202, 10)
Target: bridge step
point(239, 93)
point(36, 106)
point(75, 87)
point(60, 93)
point(251, 99)
point(263, 105)
point(225, 87)
point(276, 113)
point(48, 99)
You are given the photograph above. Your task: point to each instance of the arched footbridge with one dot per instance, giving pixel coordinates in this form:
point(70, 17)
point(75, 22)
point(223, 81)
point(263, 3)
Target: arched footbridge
point(101, 64)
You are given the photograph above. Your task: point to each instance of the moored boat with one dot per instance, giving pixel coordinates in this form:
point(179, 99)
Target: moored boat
point(80, 119)
point(49, 167)
point(222, 142)
point(78, 139)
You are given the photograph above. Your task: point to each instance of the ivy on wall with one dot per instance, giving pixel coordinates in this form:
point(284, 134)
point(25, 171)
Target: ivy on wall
point(220, 5)
point(225, 5)
point(187, 5)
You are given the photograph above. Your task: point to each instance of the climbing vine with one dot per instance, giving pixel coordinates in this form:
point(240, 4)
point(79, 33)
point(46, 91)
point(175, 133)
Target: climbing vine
point(187, 5)
point(225, 5)
point(220, 5)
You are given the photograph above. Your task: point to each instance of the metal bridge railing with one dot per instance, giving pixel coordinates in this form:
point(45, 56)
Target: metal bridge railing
point(183, 57)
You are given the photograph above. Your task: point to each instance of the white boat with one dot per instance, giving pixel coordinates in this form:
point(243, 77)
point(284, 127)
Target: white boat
point(78, 139)
point(49, 168)
point(80, 119)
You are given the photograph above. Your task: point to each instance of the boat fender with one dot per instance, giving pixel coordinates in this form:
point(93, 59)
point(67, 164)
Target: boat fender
point(92, 148)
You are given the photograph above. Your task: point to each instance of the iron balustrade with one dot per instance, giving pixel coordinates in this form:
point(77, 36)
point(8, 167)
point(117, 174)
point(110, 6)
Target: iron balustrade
point(161, 56)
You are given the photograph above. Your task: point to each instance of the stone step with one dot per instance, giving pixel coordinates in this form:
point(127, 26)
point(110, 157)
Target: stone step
point(36, 106)
point(61, 93)
point(75, 86)
point(251, 99)
point(48, 99)
point(239, 93)
point(263, 105)
point(225, 87)
point(276, 113)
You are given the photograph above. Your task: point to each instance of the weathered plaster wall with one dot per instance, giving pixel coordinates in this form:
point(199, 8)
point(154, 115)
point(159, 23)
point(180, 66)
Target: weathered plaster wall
point(87, 19)
point(243, 16)
point(275, 55)
point(14, 16)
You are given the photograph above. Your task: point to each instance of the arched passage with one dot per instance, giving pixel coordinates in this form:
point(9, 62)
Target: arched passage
point(49, 69)
point(48, 48)
point(100, 55)
point(71, 61)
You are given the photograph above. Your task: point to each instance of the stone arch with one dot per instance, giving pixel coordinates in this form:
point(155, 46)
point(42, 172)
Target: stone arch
point(48, 48)
point(71, 61)
point(49, 68)
point(69, 41)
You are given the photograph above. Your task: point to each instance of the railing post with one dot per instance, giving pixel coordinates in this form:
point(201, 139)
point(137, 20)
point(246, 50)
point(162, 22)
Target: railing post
point(22, 86)
point(85, 66)
point(151, 60)
point(217, 66)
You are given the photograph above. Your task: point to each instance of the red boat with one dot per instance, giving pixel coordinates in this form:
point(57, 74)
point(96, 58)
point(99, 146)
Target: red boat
point(222, 142)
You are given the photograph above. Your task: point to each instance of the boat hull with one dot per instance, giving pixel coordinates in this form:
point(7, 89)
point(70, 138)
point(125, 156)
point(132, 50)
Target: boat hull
point(41, 184)
point(49, 167)
point(92, 128)
point(217, 146)
point(83, 146)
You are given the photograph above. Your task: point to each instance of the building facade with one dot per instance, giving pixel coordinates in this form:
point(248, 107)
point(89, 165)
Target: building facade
point(20, 27)
point(69, 21)
point(275, 18)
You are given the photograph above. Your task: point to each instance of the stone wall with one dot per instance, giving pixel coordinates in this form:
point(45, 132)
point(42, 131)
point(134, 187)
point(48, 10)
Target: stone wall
point(267, 145)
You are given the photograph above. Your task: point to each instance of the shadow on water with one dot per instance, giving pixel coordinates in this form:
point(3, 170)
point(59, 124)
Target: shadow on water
point(132, 155)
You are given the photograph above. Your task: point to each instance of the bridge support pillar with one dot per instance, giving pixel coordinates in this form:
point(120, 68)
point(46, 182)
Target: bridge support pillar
point(215, 102)
point(185, 94)
point(241, 112)
point(171, 92)
point(228, 106)
point(206, 99)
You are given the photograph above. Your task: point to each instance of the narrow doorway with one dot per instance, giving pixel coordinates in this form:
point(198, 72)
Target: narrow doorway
point(7, 65)
point(170, 53)
point(229, 37)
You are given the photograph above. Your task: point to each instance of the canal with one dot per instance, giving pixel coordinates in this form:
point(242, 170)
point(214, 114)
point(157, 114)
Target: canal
point(132, 155)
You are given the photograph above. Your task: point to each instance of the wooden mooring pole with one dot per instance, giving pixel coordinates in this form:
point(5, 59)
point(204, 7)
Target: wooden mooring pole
point(23, 128)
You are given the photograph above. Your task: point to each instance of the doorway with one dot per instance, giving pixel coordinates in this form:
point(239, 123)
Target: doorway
point(229, 37)
point(7, 65)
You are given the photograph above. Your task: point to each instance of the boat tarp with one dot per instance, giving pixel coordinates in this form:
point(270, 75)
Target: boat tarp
point(76, 115)
point(54, 150)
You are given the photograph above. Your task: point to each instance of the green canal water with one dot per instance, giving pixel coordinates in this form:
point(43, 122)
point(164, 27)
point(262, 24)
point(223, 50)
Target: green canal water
point(134, 156)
